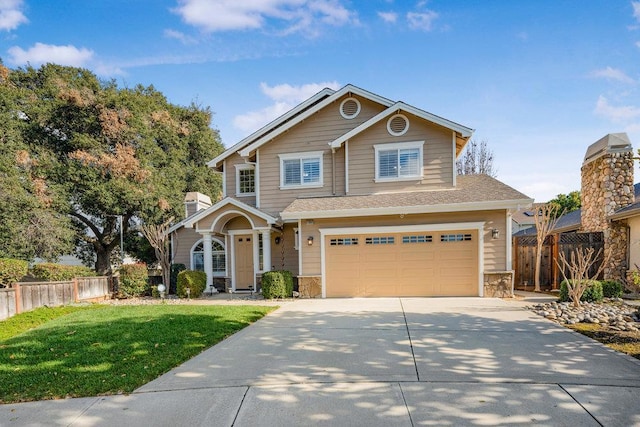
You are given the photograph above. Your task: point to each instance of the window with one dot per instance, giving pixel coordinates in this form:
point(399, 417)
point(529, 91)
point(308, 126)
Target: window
point(417, 239)
point(346, 241)
point(379, 241)
point(245, 180)
point(455, 237)
point(396, 162)
point(217, 255)
point(301, 169)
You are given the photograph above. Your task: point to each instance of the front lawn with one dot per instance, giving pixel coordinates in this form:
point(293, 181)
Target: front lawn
point(111, 349)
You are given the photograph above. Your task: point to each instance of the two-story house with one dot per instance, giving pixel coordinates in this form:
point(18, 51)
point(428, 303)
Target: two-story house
point(356, 195)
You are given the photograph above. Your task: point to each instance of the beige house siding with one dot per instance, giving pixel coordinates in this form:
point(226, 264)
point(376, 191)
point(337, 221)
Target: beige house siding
point(183, 240)
point(494, 250)
point(207, 222)
point(314, 134)
point(437, 157)
point(230, 179)
point(284, 256)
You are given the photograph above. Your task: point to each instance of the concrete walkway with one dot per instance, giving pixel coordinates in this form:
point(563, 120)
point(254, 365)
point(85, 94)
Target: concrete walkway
point(377, 362)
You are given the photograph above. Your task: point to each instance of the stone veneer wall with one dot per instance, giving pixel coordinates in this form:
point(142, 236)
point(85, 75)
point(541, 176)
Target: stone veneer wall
point(498, 284)
point(607, 185)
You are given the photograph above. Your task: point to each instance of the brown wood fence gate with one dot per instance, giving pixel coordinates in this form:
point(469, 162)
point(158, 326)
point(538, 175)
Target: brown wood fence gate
point(524, 257)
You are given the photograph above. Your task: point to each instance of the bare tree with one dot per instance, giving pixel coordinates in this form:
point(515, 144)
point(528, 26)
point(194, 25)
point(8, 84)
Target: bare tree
point(578, 266)
point(476, 159)
point(157, 235)
point(545, 218)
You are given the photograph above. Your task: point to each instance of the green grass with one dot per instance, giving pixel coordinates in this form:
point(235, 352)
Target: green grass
point(111, 349)
point(624, 342)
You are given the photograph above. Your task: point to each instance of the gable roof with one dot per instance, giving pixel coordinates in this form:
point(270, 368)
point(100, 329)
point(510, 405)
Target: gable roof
point(201, 214)
point(473, 192)
point(525, 216)
point(320, 100)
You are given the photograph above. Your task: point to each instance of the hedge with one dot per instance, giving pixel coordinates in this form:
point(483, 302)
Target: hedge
point(196, 281)
point(593, 293)
point(277, 284)
point(173, 279)
point(611, 289)
point(134, 280)
point(50, 272)
point(12, 270)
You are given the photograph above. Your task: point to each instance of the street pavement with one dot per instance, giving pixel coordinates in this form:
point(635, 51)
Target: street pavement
point(377, 362)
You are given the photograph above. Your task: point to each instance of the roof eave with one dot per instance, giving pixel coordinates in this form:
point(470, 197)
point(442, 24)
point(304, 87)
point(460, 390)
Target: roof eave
point(419, 209)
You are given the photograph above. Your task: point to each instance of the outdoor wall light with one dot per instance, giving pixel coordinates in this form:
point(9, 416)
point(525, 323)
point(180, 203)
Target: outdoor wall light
point(310, 240)
point(495, 233)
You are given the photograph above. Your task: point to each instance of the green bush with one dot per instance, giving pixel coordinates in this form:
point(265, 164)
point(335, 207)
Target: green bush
point(12, 270)
point(194, 280)
point(593, 293)
point(50, 272)
point(173, 278)
point(277, 284)
point(611, 289)
point(134, 280)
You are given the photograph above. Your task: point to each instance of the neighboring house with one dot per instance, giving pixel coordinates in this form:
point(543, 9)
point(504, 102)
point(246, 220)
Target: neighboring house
point(523, 219)
point(356, 195)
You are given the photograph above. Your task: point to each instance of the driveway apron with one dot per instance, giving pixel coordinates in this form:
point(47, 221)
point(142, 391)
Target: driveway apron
point(383, 361)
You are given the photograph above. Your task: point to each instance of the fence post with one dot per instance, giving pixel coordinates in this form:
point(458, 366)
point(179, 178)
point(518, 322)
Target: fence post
point(555, 245)
point(18, 298)
point(76, 294)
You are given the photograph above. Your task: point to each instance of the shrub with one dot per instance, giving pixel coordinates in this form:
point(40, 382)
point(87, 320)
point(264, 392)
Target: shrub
point(611, 289)
point(277, 284)
point(51, 272)
point(134, 280)
point(12, 270)
point(173, 279)
point(194, 280)
point(592, 293)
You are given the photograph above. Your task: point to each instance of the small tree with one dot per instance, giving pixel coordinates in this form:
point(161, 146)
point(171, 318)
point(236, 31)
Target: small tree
point(578, 266)
point(545, 219)
point(157, 235)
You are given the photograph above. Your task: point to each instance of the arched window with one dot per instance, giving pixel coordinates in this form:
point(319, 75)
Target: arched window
point(217, 255)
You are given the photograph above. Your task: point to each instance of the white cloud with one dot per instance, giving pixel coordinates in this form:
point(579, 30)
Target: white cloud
point(422, 20)
point(284, 98)
point(620, 114)
point(181, 37)
point(297, 15)
point(390, 17)
point(636, 9)
point(41, 53)
point(613, 74)
point(11, 15)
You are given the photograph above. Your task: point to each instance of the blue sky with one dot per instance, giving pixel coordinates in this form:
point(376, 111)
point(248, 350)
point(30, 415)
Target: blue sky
point(538, 80)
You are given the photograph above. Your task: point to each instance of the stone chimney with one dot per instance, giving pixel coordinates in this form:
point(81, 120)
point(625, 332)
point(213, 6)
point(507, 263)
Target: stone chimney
point(607, 185)
point(194, 201)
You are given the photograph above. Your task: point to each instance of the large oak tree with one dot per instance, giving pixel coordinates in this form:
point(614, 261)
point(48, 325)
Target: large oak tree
point(109, 152)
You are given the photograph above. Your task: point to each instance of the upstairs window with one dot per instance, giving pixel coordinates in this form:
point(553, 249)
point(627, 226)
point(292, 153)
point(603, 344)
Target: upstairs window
point(396, 162)
point(301, 170)
point(245, 180)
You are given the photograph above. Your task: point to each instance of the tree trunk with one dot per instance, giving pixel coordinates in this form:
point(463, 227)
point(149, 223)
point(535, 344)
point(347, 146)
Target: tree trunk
point(103, 261)
point(537, 271)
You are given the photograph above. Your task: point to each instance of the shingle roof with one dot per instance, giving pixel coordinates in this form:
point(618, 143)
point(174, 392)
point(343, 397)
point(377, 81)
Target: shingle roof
point(525, 215)
point(473, 192)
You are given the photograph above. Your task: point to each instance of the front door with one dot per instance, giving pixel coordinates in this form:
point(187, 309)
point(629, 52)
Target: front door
point(244, 274)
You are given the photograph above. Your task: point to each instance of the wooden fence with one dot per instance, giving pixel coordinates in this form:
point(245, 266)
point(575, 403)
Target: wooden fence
point(524, 257)
point(22, 297)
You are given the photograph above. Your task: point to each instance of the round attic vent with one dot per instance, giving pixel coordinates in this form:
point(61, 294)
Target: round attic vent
point(398, 125)
point(350, 108)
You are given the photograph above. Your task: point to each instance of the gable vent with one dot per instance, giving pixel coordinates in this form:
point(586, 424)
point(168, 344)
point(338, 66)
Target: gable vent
point(350, 108)
point(398, 125)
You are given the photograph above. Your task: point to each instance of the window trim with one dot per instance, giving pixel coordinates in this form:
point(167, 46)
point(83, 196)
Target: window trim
point(223, 251)
point(243, 167)
point(397, 146)
point(302, 156)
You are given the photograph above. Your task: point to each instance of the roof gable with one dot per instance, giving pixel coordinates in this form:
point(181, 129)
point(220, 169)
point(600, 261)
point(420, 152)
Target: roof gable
point(193, 219)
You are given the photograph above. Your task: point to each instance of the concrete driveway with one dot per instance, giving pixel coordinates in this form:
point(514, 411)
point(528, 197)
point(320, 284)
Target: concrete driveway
point(378, 362)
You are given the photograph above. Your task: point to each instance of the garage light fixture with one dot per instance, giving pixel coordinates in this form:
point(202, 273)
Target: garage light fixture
point(495, 233)
point(310, 240)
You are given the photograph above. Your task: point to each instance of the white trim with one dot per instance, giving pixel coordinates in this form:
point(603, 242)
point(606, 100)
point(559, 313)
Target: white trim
point(190, 222)
point(475, 226)
point(243, 167)
point(257, 178)
point(271, 126)
point(299, 246)
point(300, 156)
point(406, 128)
point(353, 116)
point(420, 209)
point(509, 241)
point(224, 179)
point(232, 211)
point(397, 146)
point(464, 131)
point(346, 167)
point(224, 247)
point(453, 150)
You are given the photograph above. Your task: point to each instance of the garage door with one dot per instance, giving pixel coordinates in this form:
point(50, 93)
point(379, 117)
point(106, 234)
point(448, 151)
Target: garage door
point(442, 263)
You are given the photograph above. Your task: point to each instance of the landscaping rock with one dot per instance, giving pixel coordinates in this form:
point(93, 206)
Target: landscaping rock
point(613, 314)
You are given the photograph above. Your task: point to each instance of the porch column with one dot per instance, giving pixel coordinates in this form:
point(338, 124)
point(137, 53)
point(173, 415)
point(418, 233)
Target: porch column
point(208, 262)
point(266, 250)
